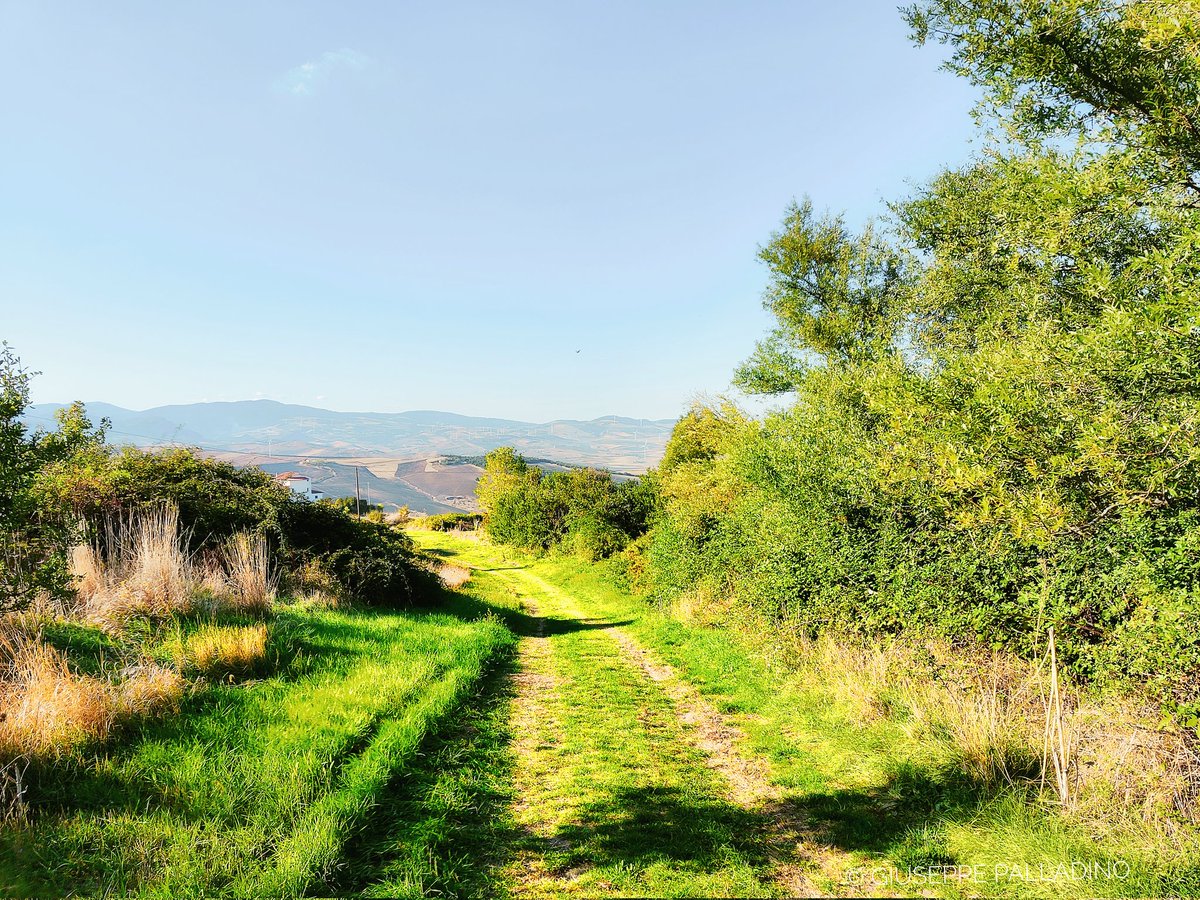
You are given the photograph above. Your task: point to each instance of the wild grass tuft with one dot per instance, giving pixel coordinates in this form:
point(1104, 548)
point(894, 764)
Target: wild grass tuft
point(452, 576)
point(143, 570)
point(48, 709)
point(218, 651)
point(248, 566)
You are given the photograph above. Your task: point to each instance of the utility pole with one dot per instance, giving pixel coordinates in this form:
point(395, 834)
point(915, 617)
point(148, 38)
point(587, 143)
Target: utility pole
point(357, 496)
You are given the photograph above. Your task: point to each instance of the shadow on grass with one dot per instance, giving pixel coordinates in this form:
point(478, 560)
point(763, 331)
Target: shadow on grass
point(902, 820)
point(522, 624)
point(638, 827)
point(441, 827)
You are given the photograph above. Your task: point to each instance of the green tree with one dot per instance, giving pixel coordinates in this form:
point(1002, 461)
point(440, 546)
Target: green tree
point(35, 535)
point(1123, 72)
point(834, 296)
point(996, 414)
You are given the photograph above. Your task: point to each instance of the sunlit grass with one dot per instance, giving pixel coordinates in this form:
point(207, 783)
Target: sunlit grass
point(886, 796)
point(252, 789)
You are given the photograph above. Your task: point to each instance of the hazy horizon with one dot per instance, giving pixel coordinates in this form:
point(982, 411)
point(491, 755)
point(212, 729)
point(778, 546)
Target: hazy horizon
point(369, 412)
point(534, 212)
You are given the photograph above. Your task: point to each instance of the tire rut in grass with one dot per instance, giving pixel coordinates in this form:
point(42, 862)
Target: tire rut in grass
point(784, 829)
point(655, 811)
point(441, 825)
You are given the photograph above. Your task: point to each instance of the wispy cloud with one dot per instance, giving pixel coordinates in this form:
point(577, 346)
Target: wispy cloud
point(307, 78)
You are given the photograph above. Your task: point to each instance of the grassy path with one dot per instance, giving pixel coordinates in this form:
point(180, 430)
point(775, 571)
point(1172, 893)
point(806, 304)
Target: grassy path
point(648, 757)
point(625, 780)
point(254, 790)
point(611, 793)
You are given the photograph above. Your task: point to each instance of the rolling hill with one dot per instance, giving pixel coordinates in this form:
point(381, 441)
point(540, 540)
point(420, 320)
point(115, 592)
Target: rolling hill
point(399, 455)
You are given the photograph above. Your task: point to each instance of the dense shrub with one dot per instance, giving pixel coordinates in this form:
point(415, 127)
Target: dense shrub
point(451, 522)
point(583, 511)
point(370, 561)
point(34, 533)
point(353, 505)
point(362, 559)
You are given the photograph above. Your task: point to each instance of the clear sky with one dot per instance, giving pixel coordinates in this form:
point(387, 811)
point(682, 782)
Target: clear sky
point(526, 210)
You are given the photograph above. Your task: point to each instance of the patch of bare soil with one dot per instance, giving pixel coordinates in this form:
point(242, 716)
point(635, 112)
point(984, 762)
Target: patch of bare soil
point(788, 832)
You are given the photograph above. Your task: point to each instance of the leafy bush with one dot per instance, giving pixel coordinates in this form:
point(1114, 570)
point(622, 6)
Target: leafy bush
point(451, 522)
point(582, 511)
point(369, 561)
point(993, 419)
point(366, 560)
point(34, 534)
point(352, 505)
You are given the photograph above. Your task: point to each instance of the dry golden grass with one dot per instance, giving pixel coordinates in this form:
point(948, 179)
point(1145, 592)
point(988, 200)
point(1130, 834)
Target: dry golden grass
point(312, 579)
point(1002, 720)
point(46, 709)
point(248, 567)
point(315, 598)
point(150, 690)
point(1104, 759)
point(217, 651)
point(88, 570)
point(453, 577)
point(146, 570)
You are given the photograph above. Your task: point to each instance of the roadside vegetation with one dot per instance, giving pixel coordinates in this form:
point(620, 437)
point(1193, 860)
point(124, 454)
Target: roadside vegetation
point(205, 683)
point(582, 510)
point(449, 522)
point(972, 517)
point(940, 609)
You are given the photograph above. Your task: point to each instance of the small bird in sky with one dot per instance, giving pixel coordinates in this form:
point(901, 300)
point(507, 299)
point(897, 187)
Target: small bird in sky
point(578, 351)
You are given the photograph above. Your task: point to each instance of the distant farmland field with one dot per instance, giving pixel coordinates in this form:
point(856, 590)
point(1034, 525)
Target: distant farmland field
point(440, 481)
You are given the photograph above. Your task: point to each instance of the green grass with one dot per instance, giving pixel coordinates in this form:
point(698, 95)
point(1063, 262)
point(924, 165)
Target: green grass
point(877, 797)
point(503, 745)
point(613, 797)
point(253, 789)
point(607, 795)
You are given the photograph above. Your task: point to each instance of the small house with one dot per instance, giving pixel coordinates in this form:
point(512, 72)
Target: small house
point(300, 485)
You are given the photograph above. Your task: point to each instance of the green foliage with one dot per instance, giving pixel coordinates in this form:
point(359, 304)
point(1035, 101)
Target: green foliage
point(451, 522)
point(352, 505)
point(34, 534)
point(1117, 71)
point(215, 499)
point(833, 295)
point(369, 561)
point(364, 559)
point(996, 424)
point(583, 511)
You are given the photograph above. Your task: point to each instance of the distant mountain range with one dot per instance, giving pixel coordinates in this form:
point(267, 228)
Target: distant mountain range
point(276, 431)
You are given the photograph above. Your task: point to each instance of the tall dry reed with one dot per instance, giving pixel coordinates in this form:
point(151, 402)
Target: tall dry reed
point(144, 569)
point(248, 567)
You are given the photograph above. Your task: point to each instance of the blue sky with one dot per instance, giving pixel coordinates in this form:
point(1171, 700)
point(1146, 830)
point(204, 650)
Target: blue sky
point(527, 210)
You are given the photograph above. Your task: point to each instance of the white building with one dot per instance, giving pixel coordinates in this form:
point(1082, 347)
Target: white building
point(300, 485)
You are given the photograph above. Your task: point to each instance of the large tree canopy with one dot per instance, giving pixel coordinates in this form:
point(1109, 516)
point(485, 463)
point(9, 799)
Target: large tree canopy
point(995, 423)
